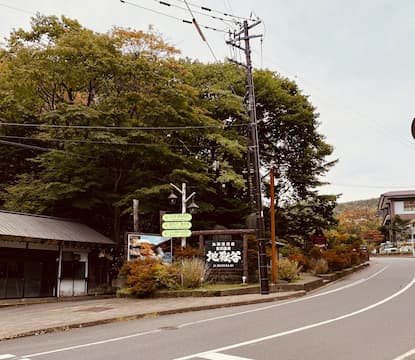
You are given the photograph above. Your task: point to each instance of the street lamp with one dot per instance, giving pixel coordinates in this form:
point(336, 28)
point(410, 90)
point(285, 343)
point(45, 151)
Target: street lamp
point(184, 199)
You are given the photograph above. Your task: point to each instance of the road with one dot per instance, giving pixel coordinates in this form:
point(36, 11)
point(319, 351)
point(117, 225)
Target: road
point(368, 315)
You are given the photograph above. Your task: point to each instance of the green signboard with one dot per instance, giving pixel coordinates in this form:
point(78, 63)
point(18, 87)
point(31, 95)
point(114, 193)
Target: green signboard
point(177, 217)
point(176, 233)
point(174, 225)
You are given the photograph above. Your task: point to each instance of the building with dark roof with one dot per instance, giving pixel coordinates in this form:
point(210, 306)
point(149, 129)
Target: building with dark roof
point(43, 256)
point(396, 203)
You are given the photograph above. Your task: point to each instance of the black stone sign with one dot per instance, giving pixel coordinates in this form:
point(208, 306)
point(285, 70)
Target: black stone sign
point(224, 254)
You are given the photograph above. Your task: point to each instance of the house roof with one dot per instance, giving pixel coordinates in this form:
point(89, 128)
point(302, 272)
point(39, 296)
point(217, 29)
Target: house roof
point(401, 194)
point(48, 228)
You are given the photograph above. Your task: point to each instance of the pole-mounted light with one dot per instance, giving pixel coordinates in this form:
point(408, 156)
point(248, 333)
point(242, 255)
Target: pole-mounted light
point(172, 198)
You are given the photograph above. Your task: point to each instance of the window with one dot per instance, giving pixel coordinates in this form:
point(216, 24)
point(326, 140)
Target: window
point(409, 205)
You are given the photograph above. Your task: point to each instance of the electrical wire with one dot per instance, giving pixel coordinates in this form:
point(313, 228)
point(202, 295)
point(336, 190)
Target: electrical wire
point(200, 31)
point(141, 128)
point(102, 142)
point(214, 11)
point(33, 147)
point(171, 16)
point(165, 3)
point(371, 186)
point(18, 9)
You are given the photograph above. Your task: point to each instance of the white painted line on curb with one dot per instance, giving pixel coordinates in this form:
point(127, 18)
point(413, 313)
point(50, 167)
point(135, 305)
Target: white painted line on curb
point(91, 344)
point(7, 356)
point(303, 328)
point(218, 356)
point(287, 302)
point(406, 355)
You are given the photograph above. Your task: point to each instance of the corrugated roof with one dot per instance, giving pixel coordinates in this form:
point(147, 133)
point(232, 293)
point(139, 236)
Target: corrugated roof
point(48, 228)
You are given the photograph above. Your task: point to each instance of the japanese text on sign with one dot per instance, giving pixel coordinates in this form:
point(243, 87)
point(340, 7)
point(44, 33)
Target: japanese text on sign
point(224, 254)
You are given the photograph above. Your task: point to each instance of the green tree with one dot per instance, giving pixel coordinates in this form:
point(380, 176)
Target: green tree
point(121, 118)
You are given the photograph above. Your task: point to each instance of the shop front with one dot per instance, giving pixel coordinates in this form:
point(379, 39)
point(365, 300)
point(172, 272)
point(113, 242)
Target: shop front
point(46, 257)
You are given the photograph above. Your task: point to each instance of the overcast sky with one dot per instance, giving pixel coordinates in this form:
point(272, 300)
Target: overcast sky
point(355, 59)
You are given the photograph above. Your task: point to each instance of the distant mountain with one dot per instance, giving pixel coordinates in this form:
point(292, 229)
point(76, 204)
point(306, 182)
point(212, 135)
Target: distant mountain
point(369, 203)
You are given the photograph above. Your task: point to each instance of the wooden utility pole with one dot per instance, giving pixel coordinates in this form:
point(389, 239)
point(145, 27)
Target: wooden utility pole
point(135, 214)
point(253, 150)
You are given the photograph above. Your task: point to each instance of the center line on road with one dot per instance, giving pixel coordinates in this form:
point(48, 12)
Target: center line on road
point(303, 328)
point(7, 356)
point(406, 355)
point(218, 356)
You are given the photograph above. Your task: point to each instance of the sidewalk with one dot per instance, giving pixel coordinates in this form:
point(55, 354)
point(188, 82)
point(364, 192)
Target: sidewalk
point(26, 320)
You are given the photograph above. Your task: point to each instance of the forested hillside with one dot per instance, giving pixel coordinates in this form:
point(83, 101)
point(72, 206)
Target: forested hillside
point(368, 203)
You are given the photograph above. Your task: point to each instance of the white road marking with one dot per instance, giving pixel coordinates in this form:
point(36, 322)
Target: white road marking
point(90, 344)
point(199, 321)
point(287, 302)
point(406, 355)
point(303, 328)
point(7, 356)
point(218, 356)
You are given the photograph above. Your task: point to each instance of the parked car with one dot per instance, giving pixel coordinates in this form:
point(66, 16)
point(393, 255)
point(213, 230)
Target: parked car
point(391, 250)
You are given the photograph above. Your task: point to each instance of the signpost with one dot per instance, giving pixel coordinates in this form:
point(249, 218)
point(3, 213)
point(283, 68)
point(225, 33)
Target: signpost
point(177, 233)
point(177, 225)
point(177, 217)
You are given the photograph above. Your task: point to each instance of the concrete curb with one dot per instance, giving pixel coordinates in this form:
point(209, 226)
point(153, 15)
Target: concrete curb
point(266, 299)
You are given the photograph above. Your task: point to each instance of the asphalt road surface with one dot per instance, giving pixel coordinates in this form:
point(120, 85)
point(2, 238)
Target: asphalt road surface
point(368, 315)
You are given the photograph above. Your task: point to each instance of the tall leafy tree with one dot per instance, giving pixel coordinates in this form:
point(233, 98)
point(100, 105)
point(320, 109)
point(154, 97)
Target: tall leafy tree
point(122, 117)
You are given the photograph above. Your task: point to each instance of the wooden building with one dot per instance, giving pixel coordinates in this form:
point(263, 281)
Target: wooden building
point(43, 256)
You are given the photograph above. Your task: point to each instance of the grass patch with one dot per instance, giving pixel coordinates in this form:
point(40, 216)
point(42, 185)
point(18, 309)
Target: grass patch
point(224, 286)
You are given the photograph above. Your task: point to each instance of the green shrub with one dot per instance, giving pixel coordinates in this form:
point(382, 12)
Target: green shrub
point(319, 266)
point(193, 272)
point(168, 277)
point(288, 270)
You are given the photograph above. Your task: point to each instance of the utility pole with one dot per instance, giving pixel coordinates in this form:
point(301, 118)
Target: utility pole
point(135, 214)
point(253, 150)
point(274, 257)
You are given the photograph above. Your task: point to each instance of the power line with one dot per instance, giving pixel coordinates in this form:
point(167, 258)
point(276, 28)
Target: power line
point(214, 11)
point(165, 3)
point(171, 16)
point(200, 31)
point(40, 148)
point(18, 9)
point(371, 186)
point(141, 128)
point(101, 142)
